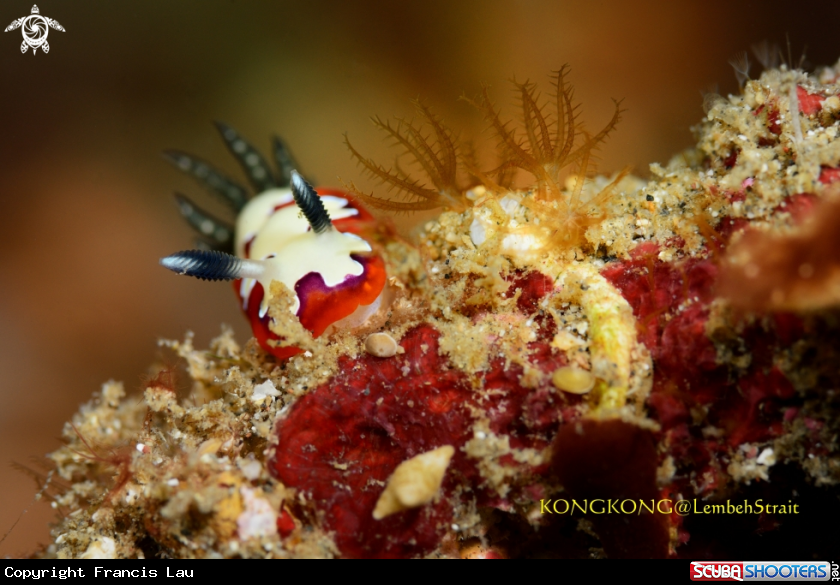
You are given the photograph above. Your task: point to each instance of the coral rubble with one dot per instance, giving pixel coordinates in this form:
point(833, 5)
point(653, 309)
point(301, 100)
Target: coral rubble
point(581, 339)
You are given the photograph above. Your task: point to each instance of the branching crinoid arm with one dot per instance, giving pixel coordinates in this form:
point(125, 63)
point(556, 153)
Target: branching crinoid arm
point(537, 123)
point(574, 200)
point(436, 154)
point(568, 125)
point(548, 145)
point(566, 114)
point(596, 140)
point(544, 148)
point(514, 151)
point(419, 197)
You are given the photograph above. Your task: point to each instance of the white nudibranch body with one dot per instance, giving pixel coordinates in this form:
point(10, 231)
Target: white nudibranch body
point(272, 228)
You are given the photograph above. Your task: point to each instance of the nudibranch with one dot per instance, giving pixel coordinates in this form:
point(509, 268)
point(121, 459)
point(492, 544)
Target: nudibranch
point(308, 239)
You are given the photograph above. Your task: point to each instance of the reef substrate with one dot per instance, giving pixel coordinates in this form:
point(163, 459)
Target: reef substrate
point(682, 349)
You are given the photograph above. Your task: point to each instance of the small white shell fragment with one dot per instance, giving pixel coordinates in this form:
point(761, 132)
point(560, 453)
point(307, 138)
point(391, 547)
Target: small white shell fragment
point(573, 380)
point(106, 548)
point(478, 232)
point(382, 345)
point(414, 482)
point(766, 457)
point(265, 389)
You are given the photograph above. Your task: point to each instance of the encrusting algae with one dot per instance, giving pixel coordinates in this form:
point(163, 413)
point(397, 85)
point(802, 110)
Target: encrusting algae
point(582, 338)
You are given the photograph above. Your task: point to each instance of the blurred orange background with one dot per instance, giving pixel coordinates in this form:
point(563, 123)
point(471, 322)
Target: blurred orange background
point(85, 197)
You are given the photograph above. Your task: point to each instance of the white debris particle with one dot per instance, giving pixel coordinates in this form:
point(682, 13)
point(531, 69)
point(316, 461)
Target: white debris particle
point(251, 469)
point(265, 389)
point(382, 345)
point(105, 548)
point(767, 457)
point(258, 519)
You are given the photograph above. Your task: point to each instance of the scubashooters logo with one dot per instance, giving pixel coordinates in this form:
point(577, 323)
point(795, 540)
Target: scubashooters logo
point(799, 571)
point(35, 29)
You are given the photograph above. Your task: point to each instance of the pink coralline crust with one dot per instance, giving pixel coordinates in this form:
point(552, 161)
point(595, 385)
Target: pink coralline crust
point(735, 196)
point(653, 287)
point(809, 103)
point(672, 303)
point(339, 444)
point(798, 205)
point(285, 523)
point(728, 226)
point(533, 286)
point(730, 160)
point(829, 175)
point(771, 117)
point(342, 440)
